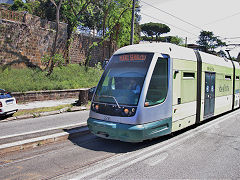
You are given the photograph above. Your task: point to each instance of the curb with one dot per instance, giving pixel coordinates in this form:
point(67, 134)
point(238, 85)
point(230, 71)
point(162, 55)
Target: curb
point(35, 115)
point(43, 140)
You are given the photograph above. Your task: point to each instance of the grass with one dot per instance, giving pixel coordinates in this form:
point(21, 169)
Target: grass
point(72, 76)
point(37, 111)
point(40, 110)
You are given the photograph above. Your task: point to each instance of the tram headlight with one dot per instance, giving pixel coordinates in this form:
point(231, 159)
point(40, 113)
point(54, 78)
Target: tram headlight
point(95, 107)
point(126, 111)
point(129, 111)
point(146, 104)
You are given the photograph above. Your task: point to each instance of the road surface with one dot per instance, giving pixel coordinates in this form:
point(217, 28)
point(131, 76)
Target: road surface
point(31, 125)
point(208, 151)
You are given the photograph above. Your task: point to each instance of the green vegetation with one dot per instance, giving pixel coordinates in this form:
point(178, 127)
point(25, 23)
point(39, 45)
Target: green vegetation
point(111, 20)
point(171, 39)
point(154, 30)
point(36, 112)
point(209, 41)
point(71, 76)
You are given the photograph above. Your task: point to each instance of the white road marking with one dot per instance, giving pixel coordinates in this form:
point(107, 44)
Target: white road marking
point(157, 159)
point(37, 139)
point(42, 130)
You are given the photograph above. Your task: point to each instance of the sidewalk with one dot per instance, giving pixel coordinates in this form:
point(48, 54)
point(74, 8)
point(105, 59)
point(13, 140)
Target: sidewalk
point(49, 103)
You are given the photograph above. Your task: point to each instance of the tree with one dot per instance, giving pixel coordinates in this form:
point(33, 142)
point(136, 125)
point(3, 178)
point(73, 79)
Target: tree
point(154, 30)
point(54, 46)
point(115, 23)
point(174, 40)
point(221, 53)
point(44, 9)
point(110, 18)
point(32, 7)
point(209, 41)
point(41, 8)
point(19, 5)
point(73, 12)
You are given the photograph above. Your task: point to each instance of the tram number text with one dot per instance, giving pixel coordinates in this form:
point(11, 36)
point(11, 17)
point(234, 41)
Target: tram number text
point(106, 118)
point(210, 68)
point(224, 88)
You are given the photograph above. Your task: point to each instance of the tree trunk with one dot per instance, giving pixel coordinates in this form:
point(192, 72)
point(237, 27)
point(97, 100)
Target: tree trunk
point(54, 46)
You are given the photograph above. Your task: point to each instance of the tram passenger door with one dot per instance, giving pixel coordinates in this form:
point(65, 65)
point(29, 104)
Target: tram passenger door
point(209, 102)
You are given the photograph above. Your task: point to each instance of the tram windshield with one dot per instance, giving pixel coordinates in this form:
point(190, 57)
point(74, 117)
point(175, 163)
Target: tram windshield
point(122, 81)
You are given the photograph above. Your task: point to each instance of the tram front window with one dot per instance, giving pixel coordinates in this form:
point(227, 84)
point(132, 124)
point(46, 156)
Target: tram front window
point(123, 79)
point(158, 87)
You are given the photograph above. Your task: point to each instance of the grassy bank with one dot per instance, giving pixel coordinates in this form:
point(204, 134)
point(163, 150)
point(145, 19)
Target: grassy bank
point(72, 76)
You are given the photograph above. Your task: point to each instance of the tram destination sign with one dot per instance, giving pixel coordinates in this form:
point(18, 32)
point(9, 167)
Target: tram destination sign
point(132, 57)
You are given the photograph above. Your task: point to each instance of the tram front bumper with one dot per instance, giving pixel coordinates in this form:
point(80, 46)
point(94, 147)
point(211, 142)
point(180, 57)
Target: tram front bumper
point(128, 132)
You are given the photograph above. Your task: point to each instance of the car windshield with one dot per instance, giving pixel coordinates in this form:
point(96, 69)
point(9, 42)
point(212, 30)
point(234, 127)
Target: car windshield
point(123, 79)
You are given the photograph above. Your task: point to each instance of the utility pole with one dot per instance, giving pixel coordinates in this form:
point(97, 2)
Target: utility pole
point(132, 23)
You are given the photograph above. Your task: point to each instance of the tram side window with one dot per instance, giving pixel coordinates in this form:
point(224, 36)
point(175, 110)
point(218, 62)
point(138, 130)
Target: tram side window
point(158, 86)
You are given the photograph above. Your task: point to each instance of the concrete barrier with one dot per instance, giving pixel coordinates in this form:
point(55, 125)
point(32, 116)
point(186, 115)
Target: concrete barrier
point(30, 96)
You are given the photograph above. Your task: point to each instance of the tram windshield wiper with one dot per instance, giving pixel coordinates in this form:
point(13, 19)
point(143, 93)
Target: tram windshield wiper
point(104, 96)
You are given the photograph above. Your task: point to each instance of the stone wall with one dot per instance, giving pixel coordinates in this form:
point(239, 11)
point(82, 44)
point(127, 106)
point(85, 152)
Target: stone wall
point(25, 39)
point(80, 46)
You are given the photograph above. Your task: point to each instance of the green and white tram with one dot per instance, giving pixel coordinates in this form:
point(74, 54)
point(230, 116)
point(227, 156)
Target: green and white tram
point(150, 90)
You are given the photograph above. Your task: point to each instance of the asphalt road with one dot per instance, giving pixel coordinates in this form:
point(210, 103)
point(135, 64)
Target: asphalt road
point(32, 125)
point(208, 151)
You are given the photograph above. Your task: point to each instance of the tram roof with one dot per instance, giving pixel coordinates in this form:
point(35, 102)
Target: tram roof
point(177, 52)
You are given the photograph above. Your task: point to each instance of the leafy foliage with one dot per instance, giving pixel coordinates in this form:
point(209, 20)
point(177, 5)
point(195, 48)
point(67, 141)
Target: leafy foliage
point(176, 40)
point(154, 29)
point(19, 5)
point(209, 41)
point(171, 39)
point(57, 59)
point(110, 19)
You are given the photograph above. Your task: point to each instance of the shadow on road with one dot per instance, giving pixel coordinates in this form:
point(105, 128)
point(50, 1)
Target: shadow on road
point(92, 142)
point(5, 117)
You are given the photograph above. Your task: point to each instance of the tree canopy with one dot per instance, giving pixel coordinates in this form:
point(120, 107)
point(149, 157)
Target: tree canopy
point(154, 29)
point(209, 41)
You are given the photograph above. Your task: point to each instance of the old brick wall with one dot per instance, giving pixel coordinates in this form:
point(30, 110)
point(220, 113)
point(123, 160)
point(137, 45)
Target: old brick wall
point(80, 46)
point(25, 39)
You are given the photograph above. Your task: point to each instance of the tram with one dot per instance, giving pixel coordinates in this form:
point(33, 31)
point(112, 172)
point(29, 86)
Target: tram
point(150, 90)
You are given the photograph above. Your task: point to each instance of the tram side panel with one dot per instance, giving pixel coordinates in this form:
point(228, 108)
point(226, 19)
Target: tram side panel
point(217, 88)
point(184, 93)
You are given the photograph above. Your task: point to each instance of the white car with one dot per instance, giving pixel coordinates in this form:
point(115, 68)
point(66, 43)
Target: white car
point(8, 104)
